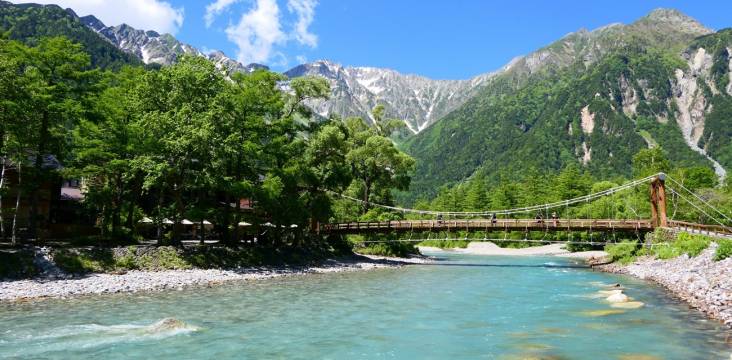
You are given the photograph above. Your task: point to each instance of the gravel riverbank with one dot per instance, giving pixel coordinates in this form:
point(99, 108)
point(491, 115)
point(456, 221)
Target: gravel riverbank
point(700, 281)
point(490, 248)
point(63, 285)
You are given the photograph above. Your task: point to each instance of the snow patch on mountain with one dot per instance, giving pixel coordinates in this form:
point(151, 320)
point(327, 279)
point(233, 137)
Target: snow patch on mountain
point(417, 100)
point(164, 49)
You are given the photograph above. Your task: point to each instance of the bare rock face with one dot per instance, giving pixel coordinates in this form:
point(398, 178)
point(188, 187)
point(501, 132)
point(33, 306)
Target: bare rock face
point(629, 97)
point(154, 48)
point(587, 120)
point(692, 104)
point(417, 100)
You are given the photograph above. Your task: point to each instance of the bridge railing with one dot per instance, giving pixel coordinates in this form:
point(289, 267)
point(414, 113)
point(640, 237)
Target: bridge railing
point(489, 225)
point(699, 228)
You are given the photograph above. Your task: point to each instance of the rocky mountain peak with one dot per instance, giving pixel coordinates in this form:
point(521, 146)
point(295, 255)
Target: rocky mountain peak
point(418, 100)
point(153, 47)
point(92, 22)
point(676, 19)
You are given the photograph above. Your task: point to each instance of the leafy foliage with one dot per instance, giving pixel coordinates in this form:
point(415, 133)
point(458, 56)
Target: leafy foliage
point(31, 22)
point(623, 252)
point(539, 124)
point(724, 250)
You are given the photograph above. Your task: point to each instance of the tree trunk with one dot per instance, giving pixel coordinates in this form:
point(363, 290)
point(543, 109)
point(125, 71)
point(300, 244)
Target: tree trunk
point(135, 190)
point(366, 194)
point(178, 214)
point(38, 176)
point(117, 206)
point(2, 185)
point(203, 232)
point(159, 220)
point(237, 220)
point(17, 207)
point(225, 235)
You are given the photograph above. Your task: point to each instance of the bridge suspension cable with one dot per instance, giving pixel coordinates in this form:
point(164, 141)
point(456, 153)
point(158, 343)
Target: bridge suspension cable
point(700, 199)
point(557, 204)
point(698, 208)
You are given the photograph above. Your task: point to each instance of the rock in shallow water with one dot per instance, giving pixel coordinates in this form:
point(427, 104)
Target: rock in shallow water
point(628, 305)
point(169, 324)
point(606, 312)
point(617, 298)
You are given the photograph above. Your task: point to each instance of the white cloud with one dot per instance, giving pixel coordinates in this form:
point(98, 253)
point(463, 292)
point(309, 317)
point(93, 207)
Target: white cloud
point(158, 15)
point(305, 11)
point(215, 8)
point(301, 59)
point(257, 32)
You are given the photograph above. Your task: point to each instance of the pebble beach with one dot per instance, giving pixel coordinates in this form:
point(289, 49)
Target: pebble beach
point(59, 285)
point(700, 281)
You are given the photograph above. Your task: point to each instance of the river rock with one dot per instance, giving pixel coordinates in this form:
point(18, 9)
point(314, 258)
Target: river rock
point(627, 305)
point(605, 312)
point(609, 292)
point(617, 298)
point(167, 324)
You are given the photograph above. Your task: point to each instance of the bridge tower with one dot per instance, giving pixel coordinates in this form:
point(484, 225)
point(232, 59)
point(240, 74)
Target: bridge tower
point(658, 201)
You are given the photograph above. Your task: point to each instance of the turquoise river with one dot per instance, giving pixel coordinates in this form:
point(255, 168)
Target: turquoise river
point(462, 307)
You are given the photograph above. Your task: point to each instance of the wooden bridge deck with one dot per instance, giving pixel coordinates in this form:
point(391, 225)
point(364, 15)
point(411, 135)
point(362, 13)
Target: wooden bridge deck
point(604, 225)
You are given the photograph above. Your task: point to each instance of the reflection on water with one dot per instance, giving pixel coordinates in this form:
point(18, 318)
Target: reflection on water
point(465, 307)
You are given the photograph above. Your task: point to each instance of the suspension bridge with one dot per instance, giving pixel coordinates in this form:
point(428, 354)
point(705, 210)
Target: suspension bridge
point(716, 222)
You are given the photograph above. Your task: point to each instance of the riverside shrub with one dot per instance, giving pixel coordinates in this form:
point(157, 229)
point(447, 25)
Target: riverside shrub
point(692, 244)
point(446, 244)
point(724, 250)
point(623, 252)
point(684, 243)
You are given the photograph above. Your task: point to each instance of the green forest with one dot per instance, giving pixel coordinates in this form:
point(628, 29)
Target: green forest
point(188, 142)
point(190, 152)
point(535, 121)
point(180, 142)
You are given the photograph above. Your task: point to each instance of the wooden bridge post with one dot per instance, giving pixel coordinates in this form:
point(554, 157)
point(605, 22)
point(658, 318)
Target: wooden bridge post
point(658, 201)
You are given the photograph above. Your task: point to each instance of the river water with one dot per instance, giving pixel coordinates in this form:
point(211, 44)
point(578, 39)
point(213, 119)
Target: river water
point(463, 307)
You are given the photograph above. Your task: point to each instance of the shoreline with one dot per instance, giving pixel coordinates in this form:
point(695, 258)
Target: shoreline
point(134, 281)
point(491, 249)
point(700, 282)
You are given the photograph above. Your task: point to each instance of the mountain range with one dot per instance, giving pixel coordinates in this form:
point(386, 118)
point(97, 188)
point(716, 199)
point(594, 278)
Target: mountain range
point(592, 98)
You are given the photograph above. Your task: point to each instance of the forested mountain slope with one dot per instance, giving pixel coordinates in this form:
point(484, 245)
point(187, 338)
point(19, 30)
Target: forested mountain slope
point(30, 22)
point(593, 99)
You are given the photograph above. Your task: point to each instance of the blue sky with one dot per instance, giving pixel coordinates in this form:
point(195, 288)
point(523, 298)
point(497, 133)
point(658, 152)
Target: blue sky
point(438, 39)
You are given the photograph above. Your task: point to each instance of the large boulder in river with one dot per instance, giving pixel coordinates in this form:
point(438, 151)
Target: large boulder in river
point(618, 298)
point(627, 305)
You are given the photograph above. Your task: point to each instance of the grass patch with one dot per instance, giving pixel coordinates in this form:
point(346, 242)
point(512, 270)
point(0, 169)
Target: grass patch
point(172, 258)
point(164, 258)
point(106, 260)
point(84, 261)
point(685, 243)
point(446, 244)
point(623, 252)
point(724, 250)
point(665, 246)
point(396, 249)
